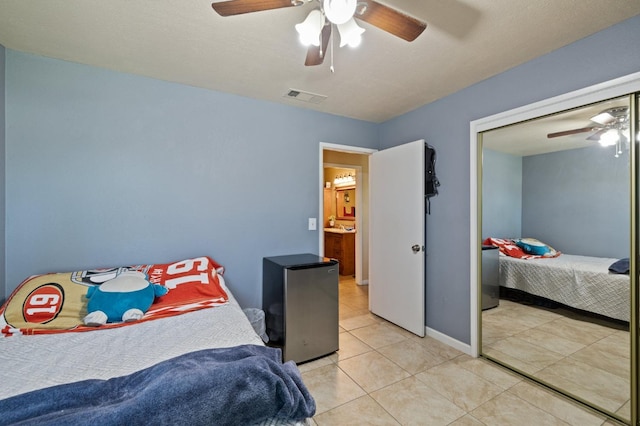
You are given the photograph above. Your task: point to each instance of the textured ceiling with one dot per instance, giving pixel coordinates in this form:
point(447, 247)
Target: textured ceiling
point(258, 55)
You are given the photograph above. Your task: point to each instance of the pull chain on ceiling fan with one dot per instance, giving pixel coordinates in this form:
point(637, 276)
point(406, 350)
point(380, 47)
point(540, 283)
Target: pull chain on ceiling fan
point(315, 30)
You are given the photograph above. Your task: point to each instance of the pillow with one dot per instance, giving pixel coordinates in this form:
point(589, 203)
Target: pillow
point(57, 302)
point(535, 247)
point(507, 247)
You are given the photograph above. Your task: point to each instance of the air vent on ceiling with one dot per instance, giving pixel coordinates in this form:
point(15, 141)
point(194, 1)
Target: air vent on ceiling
point(312, 98)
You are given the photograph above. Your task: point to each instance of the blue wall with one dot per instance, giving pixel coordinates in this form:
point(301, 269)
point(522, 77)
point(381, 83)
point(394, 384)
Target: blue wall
point(445, 125)
point(501, 195)
point(2, 176)
point(577, 201)
point(107, 169)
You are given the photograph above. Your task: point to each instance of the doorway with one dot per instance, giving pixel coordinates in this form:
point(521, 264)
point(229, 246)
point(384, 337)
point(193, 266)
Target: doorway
point(392, 257)
point(357, 159)
point(346, 163)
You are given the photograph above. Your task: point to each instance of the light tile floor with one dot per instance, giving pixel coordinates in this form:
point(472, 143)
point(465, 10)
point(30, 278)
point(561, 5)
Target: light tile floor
point(559, 346)
point(384, 375)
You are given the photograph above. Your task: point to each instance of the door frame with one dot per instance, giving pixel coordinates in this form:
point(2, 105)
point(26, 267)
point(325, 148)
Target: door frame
point(350, 150)
point(618, 87)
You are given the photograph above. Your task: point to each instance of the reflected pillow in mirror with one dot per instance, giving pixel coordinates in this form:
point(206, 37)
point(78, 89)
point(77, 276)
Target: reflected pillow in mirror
point(535, 247)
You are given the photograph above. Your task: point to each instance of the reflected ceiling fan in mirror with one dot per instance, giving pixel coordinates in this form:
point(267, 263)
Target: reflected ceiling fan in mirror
point(315, 30)
point(610, 127)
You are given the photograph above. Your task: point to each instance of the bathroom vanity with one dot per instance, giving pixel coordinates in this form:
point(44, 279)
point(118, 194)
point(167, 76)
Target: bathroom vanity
point(340, 244)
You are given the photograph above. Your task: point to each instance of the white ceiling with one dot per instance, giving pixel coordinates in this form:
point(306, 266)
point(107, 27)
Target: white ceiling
point(258, 55)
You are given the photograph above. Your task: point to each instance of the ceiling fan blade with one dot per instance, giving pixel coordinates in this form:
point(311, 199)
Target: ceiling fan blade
point(596, 135)
point(238, 7)
point(572, 132)
point(390, 20)
point(611, 115)
point(316, 54)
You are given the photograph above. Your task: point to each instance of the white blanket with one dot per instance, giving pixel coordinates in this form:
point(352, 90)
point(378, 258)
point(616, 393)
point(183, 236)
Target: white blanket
point(578, 281)
point(34, 362)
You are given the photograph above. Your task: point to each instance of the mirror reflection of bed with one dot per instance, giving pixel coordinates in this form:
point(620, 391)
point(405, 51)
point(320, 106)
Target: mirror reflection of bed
point(561, 318)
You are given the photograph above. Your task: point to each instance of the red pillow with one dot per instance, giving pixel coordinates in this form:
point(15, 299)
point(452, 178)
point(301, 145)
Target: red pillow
point(508, 247)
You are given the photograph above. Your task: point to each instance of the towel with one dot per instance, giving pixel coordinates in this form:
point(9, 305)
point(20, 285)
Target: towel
point(245, 384)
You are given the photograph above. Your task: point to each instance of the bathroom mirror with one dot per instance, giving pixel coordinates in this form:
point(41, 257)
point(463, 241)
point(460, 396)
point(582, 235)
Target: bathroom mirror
point(556, 201)
point(346, 203)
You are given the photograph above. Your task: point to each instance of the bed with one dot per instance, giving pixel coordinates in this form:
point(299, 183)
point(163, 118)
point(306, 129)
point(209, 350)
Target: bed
point(200, 356)
point(581, 282)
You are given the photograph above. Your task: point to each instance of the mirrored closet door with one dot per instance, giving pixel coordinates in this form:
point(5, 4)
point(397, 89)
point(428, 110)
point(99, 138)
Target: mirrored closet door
point(556, 224)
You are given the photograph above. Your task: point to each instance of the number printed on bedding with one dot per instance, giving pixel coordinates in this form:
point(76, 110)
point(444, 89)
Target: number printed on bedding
point(186, 271)
point(43, 304)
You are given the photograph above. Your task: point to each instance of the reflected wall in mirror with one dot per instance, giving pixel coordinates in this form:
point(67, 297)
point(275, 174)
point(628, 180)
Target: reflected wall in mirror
point(556, 204)
point(346, 203)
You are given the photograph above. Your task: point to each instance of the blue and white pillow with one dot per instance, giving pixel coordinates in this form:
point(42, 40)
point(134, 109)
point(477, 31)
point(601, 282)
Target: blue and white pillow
point(535, 247)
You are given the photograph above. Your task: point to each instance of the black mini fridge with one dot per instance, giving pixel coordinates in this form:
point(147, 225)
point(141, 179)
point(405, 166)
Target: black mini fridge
point(300, 301)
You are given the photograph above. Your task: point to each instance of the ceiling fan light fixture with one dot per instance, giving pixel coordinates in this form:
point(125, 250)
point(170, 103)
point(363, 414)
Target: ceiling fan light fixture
point(339, 11)
point(609, 138)
point(350, 33)
point(310, 29)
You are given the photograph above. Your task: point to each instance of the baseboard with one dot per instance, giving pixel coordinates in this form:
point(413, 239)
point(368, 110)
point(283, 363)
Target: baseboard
point(364, 282)
point(450, 341)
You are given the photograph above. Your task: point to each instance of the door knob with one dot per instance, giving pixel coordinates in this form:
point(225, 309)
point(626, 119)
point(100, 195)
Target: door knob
point(415, 248)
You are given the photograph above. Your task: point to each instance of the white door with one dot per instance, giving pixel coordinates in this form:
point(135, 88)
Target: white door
point(397, 235)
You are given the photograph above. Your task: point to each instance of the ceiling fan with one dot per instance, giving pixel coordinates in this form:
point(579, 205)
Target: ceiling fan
point(315, 31)
point(610, 127)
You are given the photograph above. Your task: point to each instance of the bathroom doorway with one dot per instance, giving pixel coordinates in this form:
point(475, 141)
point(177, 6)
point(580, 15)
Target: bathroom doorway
point(350, 165)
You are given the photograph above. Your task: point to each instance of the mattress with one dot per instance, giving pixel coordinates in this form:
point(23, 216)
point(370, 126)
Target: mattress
point(34, 362)
point(580, 282)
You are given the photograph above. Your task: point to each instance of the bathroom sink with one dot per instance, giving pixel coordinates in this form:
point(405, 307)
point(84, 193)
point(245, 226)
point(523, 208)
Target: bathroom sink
point(340, 231)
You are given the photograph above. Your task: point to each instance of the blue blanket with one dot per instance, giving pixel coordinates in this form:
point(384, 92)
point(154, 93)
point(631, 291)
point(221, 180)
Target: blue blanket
point(229, 386)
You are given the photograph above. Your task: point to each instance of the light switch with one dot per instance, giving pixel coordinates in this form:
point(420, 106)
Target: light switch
point(312, 224)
